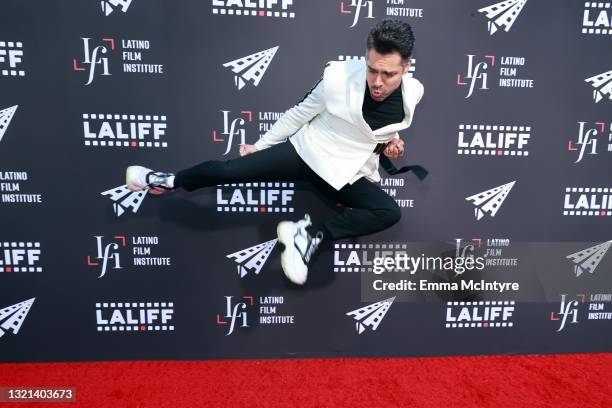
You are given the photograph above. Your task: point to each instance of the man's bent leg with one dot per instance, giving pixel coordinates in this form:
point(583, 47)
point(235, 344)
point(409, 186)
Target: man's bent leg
point(370, 210)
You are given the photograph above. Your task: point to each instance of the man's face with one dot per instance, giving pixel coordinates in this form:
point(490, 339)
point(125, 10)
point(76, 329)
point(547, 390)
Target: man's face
point(384, 73)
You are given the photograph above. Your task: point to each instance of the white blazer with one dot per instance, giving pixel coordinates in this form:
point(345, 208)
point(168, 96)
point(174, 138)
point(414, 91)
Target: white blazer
point(328, 129)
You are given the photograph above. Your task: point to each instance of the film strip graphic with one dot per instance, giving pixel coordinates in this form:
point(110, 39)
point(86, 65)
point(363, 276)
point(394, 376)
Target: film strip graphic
point(134, 327)
point(253, 13)
point(363, 247)
point(592, 213)
point(484, 324)
point(503, 14)
point(370, 316)
point(7, 264)
point(6, 115)
point(3, 55)
point(498, 151)
point(256, 208)
point(602, 84)
point(255, 66)
point(588, 259)
point(596, 8)
point(125, 143)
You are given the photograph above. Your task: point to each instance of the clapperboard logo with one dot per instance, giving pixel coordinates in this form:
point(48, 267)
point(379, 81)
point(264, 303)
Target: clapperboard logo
point(409, 74)
point(502, 15)
point(482, 314)
point(124, 199)
point(12, 317)
point(252, 259)
point(262, 198)
point(588, 259)
point(493, 140)
point(134, 316)
point(20, 257)
point(602, 84)
point(121, 130)
point(597, 18)
point(490, 201)
point(370, 316)
point(5, 119)
point(108, 6)
point(252, 67)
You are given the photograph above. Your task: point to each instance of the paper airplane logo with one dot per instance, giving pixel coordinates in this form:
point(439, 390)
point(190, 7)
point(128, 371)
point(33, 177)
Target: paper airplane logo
point(255, 66)
point(371, 315)
point(124, 199)
point(252, 259)
point(108, 6)
point(12, 317)
point(491, 200)
point(5, 119)
point(588, 259)
point(502, 15)
point(602, 84)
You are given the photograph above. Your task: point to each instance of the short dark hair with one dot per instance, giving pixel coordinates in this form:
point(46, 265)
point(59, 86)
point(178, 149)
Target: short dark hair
point(392, 35)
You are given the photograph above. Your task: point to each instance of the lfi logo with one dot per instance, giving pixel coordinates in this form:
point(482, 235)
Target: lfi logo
point(355, 7)
point(588, 137)
point(568, 310)
point(236, 313)
point(233, 127)
point(93, 57)
point(476, 72)
point(107, 254)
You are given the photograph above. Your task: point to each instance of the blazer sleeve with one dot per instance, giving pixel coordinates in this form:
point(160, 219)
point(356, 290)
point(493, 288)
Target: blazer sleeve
point(295, 118)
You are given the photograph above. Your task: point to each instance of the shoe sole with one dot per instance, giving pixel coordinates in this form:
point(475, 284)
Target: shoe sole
point(285, 232)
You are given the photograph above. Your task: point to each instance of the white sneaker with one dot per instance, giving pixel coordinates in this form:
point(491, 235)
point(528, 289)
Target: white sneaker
point(140, 178)
point(299, 248)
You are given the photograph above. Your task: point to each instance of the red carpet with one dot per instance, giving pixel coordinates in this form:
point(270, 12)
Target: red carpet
point(579, 380)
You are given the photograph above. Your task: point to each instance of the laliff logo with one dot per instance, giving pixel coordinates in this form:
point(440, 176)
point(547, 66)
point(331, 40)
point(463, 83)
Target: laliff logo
point(360, 257)
point(5, 119)
point(254, 65)
point(261, 8)
point(597, 18)
point(490, 201)
point(262, 198)
point(478, 75)
point(124, 199)
point(410, 73)
point(359, 8)
point(252, 259)
point(589, 135)
point(236, 313)
point(20, 257)
point(567, 310)
point(134, 316)
point(11, 54)
point(493, 140)
point(589, 201)
point(108, 6)
point(482, 314)
point(12, 317)
point(233, 127)
point(602, 84)
point(370, 316)
point(120, 130)
point(588, 259)
point(99, 55)
point(503, 14)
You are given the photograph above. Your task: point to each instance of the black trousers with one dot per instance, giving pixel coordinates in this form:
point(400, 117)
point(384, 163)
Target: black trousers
point(369, 210)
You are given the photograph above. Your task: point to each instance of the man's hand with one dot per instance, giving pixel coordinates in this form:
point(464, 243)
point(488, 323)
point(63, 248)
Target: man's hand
point(246, 149)
point(395, 148)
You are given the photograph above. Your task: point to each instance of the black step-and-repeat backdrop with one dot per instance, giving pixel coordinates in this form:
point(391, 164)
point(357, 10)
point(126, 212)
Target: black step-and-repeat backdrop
point(504, 248)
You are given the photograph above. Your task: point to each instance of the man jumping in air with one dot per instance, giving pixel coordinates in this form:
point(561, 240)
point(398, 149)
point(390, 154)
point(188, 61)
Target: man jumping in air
point(336, 135)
